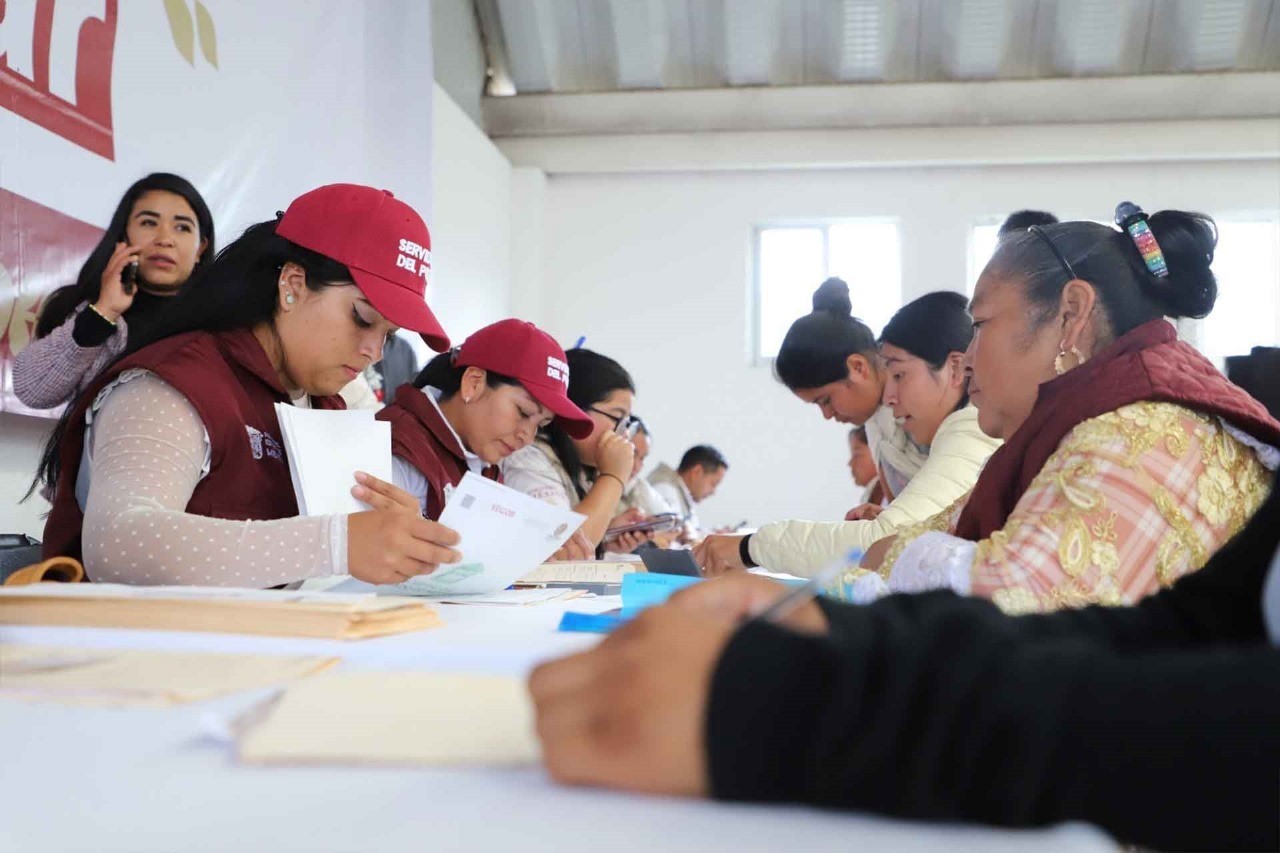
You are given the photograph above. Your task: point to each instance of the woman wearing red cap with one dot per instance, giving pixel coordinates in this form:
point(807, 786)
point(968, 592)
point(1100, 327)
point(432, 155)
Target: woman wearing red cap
point(169, 468)
point(474, 406)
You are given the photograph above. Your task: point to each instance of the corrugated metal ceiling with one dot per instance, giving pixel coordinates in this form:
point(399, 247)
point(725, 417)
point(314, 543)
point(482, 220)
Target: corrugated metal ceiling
point(569, 46)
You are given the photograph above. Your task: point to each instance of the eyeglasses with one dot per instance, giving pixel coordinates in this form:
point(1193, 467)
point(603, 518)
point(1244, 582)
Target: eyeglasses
point(1062, 259)
point(627, 425)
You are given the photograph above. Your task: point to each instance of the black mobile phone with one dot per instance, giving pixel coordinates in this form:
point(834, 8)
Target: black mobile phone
point(129, 277)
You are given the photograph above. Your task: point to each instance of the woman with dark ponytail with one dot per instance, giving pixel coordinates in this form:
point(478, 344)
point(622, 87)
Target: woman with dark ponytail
point(587, 473)
point(170, 467)
point(921, 355)
point(830, 358)
point(1128, 458)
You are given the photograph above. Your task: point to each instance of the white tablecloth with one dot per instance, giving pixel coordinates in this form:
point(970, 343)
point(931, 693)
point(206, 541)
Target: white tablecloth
point(75, 778)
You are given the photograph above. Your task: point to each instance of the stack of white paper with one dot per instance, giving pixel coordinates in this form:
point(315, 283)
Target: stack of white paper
point(505, 534)
point(326, 448)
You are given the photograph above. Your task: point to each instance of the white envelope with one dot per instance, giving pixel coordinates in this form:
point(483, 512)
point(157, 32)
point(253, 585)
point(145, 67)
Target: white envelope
point(326, 448)
point(505, 535)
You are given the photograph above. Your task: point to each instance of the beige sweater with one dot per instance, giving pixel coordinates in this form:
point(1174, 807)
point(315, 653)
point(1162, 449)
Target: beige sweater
point(958, 452)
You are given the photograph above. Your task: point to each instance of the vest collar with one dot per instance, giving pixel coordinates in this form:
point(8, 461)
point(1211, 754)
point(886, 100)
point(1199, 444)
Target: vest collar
point(428, 413)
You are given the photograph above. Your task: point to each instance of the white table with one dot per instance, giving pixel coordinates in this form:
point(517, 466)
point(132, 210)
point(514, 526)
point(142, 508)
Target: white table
point(75, 778)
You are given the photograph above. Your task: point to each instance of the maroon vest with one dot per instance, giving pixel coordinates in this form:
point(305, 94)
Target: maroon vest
point(421, 437)
point(1148, 363)
point(228, 379)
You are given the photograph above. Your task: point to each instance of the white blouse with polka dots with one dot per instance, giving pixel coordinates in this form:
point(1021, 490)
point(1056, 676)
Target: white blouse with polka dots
point(146, 451)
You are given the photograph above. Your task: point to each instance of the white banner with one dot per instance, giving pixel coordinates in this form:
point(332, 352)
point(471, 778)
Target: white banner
point(253, 102)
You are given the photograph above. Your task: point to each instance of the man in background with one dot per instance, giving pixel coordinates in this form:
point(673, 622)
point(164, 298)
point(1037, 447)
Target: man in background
point(702, 468)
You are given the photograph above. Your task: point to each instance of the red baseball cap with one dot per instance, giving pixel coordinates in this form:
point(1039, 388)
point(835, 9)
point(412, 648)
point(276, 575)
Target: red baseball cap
point(524, 352)
point(382, 241)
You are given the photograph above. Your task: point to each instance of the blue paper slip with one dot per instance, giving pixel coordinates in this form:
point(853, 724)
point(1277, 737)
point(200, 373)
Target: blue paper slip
point(645, 589)
point(592, 623)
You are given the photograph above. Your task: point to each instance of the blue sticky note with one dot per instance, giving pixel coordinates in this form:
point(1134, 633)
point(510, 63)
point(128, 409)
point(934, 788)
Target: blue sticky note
point(645, 589)
point(591, 623)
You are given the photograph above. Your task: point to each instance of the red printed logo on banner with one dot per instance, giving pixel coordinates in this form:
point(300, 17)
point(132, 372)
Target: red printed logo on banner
point(55, 67)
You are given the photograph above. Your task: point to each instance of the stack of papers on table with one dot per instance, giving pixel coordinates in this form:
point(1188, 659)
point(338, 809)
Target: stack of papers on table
point(516, 597)
point(589, 571)
point(325, 450)
point(379, 717)
point(191, 608)
point(504, 534)
point(142, 677)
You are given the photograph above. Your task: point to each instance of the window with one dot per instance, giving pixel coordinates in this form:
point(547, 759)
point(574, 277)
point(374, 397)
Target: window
point(791, 261)
point(1247, 313)
point(982, 245)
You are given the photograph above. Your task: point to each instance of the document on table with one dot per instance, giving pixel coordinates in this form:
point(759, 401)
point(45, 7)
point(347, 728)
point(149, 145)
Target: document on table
point(582, 571)
point(504, 534)
point(516, 597)
point(325, 449)
point(379, 717)
point(141, 676)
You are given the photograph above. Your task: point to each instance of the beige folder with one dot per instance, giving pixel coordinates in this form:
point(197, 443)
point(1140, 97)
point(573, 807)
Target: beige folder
point(409, 718)
point(280, 613)
point(112, 677)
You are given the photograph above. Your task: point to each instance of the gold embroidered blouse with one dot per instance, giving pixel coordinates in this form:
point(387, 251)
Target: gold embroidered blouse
point(1130, 501)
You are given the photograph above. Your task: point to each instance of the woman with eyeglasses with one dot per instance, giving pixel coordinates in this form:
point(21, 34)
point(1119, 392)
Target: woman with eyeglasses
point(1128, 458)
point(474, 406)
point(588, 474)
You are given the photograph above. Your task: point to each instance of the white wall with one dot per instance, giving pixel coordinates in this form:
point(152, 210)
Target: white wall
point(457, 53)
point(470, 223)
point(655, 270)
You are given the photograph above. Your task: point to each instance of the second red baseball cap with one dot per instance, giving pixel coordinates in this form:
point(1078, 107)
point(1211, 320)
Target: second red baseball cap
point(524, 352)
point(381, 240)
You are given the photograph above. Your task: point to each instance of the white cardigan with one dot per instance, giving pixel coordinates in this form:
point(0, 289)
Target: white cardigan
point(958, 452)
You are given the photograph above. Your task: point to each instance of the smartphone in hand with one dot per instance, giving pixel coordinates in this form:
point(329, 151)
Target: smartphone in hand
point(655, 524)
point(129, 277)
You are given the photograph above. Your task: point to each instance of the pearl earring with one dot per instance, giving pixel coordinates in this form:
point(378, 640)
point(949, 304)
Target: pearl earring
point(289, 298)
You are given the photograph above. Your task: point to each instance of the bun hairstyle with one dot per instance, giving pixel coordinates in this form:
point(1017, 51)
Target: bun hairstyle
point(817, 347)
point(1109, 259)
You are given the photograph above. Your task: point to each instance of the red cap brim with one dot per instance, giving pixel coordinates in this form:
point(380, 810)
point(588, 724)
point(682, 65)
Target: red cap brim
point(407, 310)
point(574, 421)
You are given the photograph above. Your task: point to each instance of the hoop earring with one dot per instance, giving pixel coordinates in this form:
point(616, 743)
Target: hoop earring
point(1058, 361)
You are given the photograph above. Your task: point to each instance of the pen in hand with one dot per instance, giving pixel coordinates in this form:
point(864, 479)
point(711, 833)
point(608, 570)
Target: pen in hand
point(812, 588)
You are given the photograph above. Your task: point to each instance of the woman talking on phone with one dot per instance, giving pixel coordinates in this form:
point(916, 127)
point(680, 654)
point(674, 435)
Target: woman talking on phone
point(158, 236)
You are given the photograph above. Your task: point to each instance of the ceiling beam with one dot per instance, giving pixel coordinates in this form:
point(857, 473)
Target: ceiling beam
point(1132, 142)
point(976, 103)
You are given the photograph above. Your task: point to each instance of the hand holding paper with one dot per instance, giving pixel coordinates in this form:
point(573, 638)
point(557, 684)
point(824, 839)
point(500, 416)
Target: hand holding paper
point(326, 449)
point(505, 534)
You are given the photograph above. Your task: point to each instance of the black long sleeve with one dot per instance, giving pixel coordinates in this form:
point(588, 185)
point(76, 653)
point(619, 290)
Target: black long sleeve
point(1159, 723)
